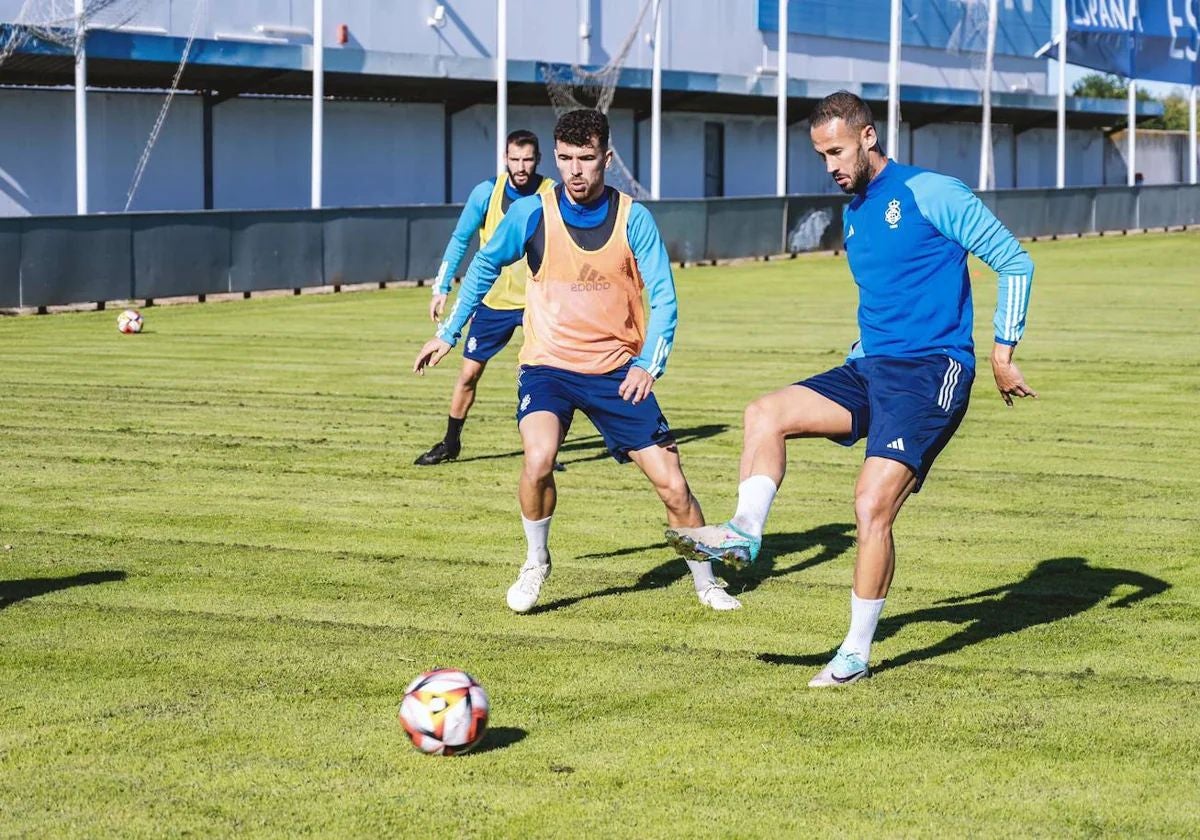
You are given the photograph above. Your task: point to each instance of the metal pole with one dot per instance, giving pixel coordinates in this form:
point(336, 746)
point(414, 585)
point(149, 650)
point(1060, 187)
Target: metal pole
point(985, 129)
point(1060, 168)
point(656, 107)
point(585, 31)
point(893, 116)
point(781, 103)
point(1131, 155)
point(318, 101)
point(501, 83)
point(1192, 137)
point(81, 120)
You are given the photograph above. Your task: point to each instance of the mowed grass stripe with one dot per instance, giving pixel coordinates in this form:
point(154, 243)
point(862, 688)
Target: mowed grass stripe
point(246, 467)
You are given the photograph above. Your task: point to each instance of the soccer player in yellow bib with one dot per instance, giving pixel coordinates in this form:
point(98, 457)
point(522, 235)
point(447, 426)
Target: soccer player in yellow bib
point(501, 311)
point(588, 345)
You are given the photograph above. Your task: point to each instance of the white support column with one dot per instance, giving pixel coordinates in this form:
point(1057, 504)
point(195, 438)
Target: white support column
point(656, 106)
point(1060, 149)
point(985, 128)
point(1131, 153)
point(318, 102)
point(1192, 137)
point(585, 32)
point(781, 103)
point(501, 83)
point(81, 119)
point(893, 115)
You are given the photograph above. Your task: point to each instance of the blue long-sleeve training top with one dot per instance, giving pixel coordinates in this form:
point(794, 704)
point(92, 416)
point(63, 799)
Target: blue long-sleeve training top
point(907, 239)
point(473, 215)
point(522, 233)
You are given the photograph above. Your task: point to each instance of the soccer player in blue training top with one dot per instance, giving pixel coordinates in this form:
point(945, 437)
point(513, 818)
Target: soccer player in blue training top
point(906, 383)
point(588, 345)
point(500, 313)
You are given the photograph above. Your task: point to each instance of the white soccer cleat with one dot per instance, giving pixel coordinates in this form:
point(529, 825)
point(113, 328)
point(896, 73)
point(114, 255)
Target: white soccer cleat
point(716, 598)
point(523, 594)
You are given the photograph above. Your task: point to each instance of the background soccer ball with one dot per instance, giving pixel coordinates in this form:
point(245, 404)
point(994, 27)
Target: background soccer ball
point(130, 321)
point(444, 712)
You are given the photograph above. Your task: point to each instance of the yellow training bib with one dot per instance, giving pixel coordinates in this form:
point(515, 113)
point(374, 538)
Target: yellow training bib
point(509, 289)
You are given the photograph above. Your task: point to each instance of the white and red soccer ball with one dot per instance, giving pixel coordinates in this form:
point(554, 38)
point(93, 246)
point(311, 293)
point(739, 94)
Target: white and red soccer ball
point(130, 321)
point(444, 712)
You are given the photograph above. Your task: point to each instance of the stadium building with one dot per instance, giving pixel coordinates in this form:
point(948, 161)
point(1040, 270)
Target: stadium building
point(410, 86)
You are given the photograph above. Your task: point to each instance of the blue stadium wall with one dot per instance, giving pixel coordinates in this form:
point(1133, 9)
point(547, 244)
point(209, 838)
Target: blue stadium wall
point(389, 153)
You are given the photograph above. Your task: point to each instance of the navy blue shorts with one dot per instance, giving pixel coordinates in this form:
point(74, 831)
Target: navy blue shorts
point(907, 409)
point(490, 331)
point(624, 426)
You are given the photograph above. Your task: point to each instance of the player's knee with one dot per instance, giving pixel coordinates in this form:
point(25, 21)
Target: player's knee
point(675, 493)
point(758, 419)
point(539, 462)
point(469, 377)
point(872, 509)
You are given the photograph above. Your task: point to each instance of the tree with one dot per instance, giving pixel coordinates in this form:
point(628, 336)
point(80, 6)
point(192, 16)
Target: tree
point(1101, 86)
point(1175, 114)
point(1108, 86)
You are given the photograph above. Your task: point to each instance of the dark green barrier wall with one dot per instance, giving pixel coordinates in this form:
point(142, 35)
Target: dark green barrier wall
point(184, 254)
point(683, 225)
point(429, 230)
point(50, 260)
point(10, 262)
point(68, 259)
point(278, 250)
point(745, 227)
point(814, 223)
point(365, 246)
point(1115, 209)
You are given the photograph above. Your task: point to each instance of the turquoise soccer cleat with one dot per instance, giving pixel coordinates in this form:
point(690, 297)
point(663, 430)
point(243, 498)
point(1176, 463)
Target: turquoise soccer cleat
point(726, 543)
point(843, 669)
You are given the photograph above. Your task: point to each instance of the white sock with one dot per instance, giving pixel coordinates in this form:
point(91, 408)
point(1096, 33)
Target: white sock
point(702, 574)
point(537, 534)
point(755, 496)
point(864, 617)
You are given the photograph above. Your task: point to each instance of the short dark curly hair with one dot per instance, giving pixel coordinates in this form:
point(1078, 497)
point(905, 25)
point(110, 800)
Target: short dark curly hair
point(583, 127)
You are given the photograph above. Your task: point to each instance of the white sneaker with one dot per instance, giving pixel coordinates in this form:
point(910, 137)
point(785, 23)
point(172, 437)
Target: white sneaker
point(523, 594)
point(718, 599)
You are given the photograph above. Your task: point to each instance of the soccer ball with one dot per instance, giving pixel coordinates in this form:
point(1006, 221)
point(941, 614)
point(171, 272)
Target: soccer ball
point(130, 321)
point(444, 712)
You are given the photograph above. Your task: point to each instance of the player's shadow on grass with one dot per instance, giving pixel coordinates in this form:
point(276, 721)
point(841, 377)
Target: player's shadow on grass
point(593, 445)
point(498, 738)
point(1055, 589)
point(13, 591)
point(832, 540)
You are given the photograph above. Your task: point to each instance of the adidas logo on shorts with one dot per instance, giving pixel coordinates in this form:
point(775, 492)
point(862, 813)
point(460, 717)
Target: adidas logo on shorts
point(897, 444)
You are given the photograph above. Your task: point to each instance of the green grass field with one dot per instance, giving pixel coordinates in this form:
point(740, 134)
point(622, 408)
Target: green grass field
point(220, 569)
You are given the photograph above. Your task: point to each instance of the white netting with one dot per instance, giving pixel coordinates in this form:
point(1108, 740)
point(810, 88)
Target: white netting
point(575, 87)
point(969, 34)
point(56, 22)
point(166, 106)
point(969, 39)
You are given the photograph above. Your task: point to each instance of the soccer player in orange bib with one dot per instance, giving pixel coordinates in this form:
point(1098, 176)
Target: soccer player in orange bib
point(591, 251)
